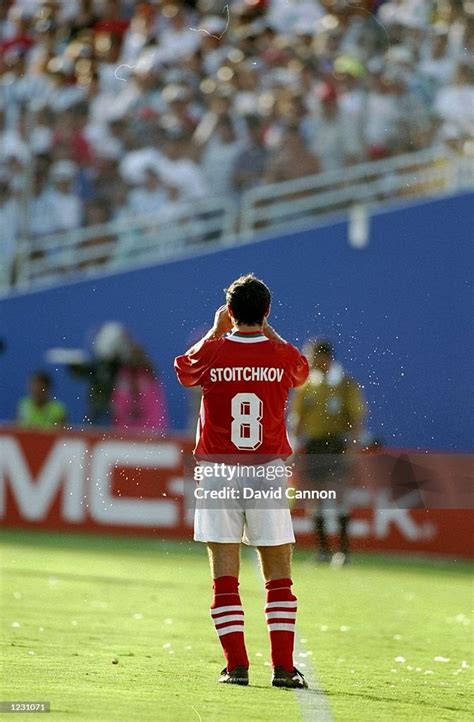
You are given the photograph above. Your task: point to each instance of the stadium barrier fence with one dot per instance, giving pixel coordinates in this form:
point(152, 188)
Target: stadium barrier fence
point(211, 223)
point(103, 482)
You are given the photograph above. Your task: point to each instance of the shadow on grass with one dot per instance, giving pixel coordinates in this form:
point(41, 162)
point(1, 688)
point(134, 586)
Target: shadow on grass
point(97, 542)
point(396, 562)
point(392, 700)
point(70, 577)
point(107, 543)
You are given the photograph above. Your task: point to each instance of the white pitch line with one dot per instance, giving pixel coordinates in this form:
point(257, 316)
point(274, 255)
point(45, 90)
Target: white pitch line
point(313, 702)
point(199, 716)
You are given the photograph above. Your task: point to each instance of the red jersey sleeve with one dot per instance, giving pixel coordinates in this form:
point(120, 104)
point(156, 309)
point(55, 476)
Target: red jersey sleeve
point(297, 367)
point(191, 366)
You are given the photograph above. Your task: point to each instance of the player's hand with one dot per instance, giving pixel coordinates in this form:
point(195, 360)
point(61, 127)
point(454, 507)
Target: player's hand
point(270, 332)
point(222, 321)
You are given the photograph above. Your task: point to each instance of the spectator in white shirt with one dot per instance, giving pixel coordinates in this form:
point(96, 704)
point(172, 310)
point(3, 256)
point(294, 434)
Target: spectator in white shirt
point(179, 171)
point(149, 197)
point(218, 159)
point(179, 40)
point(8, 235)
point(455, 103)
point(285, 15)
point(330, 134)
point(382, 117)
point(439, 67)
point(63, 204)
point(39, 216)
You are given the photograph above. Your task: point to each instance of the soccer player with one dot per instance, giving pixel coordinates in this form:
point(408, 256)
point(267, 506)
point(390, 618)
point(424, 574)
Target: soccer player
point(245, 370)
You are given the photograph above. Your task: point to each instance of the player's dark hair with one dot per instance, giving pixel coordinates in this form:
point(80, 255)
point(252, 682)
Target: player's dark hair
point(249, 299)
point(43, 377)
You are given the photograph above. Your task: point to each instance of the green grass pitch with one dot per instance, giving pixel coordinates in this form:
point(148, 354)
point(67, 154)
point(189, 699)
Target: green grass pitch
point(118, 629)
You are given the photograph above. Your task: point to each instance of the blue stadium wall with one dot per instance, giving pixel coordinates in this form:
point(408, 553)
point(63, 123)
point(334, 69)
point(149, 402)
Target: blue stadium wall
point(399, 312)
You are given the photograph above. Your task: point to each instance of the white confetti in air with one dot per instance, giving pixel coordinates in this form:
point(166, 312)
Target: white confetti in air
point(168, 621)
point(429, 671)
point(16, 625)
point(188, 646)
point(217, 37)
point(344, 628)
point(123, 65)
point(138, 616)
point(32, 653)
point(323, 628)
point(41, 629)
point(400, 660)
point(397, 637)
point(74, 622)
point(167, 645)
point(441, 659)
point(464, 664)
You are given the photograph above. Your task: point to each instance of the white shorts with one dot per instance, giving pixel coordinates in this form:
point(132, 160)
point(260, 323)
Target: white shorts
point(254, 522)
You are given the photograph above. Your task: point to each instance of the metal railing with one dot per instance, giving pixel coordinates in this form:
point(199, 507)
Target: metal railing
point(300, 202)
point(216, 222)
point(127, 242)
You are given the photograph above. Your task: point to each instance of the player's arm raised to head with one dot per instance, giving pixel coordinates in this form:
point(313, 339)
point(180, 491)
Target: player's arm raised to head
point(270, 332)
point(190, 366)
point(297, 364)
point(297, 367)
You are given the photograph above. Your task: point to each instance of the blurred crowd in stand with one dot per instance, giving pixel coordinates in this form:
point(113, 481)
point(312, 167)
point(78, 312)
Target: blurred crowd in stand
point(118, 109)
point(123, 389)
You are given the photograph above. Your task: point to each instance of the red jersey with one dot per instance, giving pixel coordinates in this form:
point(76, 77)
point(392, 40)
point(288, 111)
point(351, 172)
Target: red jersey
point(245, 378)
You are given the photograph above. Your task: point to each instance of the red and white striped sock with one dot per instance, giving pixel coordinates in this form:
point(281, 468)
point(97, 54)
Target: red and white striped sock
point(228, 617)
point(280, 613)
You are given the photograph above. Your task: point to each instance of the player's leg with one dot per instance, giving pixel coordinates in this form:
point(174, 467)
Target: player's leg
point(221, 528)
point(281, 604)
point(280, 613)
point(224, 559)
point(316, 464)
point(344, 539)
point(268, 527)
point(322, 543)
point(227, 612)
point(342, 510)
